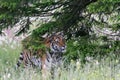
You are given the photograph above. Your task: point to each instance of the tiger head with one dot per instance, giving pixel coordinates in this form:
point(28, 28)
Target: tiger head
point(55, 42)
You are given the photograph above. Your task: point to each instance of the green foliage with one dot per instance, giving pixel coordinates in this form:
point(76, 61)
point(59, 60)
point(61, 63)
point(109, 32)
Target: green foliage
point(33, 44)
point(68, 14)
point(12, 13)
point(11, 4)
point(83, 47)
point(71, 17)
point(47, 27)
point(103, 6)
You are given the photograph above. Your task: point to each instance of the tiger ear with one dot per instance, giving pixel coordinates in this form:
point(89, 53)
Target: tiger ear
point(60, 33)
point(45, 35)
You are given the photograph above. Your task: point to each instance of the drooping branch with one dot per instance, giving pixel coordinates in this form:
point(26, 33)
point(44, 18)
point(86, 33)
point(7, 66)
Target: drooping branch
point(70, 11)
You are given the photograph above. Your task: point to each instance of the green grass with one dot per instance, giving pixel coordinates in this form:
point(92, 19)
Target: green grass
point(106, 69)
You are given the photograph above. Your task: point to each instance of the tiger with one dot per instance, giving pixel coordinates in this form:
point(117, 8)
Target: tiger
point(51, 56)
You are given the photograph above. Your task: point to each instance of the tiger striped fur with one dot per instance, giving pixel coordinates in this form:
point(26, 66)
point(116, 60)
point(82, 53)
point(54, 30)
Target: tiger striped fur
point(45, 59)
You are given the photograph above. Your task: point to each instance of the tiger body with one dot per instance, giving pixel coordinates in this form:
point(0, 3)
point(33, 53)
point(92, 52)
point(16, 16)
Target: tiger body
point(44, 59)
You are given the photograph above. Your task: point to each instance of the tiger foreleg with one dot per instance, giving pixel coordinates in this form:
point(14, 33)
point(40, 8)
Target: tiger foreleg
point(44, 68)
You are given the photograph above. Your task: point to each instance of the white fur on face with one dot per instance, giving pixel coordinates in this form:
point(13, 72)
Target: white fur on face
point(57, 48)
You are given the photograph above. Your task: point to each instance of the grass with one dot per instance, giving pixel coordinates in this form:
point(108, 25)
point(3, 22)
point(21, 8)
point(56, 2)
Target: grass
point(106, 69)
